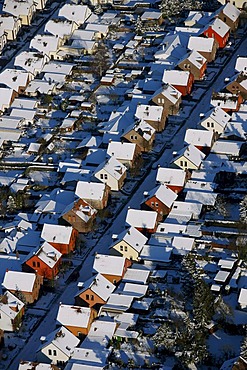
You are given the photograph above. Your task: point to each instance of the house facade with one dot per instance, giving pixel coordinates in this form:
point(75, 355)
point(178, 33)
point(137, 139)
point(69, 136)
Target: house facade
point(80, 215)
point(63, 238)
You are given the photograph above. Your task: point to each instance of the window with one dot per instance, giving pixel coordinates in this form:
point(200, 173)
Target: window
point(49, 352)
point(38, 264)
point(92, 297)
point(54, 352)
point(212, 124)
point(185, 163)
point(87, 297)
point(121, 248)
point(105, 176)
point(114, 281)
point(159, 100)
point(181, 163)
point(208, 124)
point(101, 176)
point(135, 137)
point(34, 264)
point(152, 204)
point(156, 204)
point(125, 248)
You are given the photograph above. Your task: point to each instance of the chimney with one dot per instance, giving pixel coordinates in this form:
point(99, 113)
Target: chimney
point(145, 193)
point(80, 285)
point(114, 236)
point(42, 339)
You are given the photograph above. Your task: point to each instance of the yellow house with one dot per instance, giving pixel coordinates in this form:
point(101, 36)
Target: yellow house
point(128, 244)
point(189, 158)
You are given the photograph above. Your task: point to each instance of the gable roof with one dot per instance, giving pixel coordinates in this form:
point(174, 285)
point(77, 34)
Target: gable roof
point(106, 264)
point(218, 115)
point(141, 219)
point(98, 284)
point(121, 151)
point(220, 27)
point(175, 77)
point(63, 339)
point(133, 237)
point(15, 280)
point(162, 193)
point(231, 12)
point(113, 167)
point(47, 254)
point(199, 137)
point(169, 92)
point(75, 12)
point(195, 58)
point(201, 44)
point(90, 190)
point(192, 154)
point(56, 233)
point(73, 315)
point(171, 176)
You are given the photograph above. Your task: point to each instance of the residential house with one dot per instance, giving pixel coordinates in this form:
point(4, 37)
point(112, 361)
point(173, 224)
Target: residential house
point(197, 19)
point(44, 260)
point(143, 221)
point(128, 244)
point(169, 98)
point(227, 101)
point(30, 365)
point(240, 4)
point(11, 312)
point(60, 28)
point(142, 134)
point(238, 85)
point(24, 10)
point(195, 63)
point(111, 172)
point(153, 115)
point(16, 79)
point(80, 215)
point(181, 80)
point(68, 125)
point(46, 44)
point(32, 62)
point(207, 47)
point(7, 96)
point(40, 4)
point(112, 268)
point(96, 194)
point(242, 299)
point(241, 64)
point(173, 178)
point(201, 139)
point(230, 15)
point(219, 30)
point(75, 13)
point(94, 292)
point(58, 346)
point(3, 39)
point(215, 120)
point(76, 319)
point(10, 25)
point(23, 285)
point(151, 18)
point(188, 158)
point(159, 199)
point(125, 153)
point(61, 237)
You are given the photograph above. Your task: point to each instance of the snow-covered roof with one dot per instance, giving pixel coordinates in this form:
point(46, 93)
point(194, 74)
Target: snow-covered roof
point(59, 27)
point(192, 154)
point(156, 254)
point(163, 194)
point(106, 264)
point(15, 78)
point(220, 27)
point(175, 77)
point(56, 233)
point(171, 176)
point(242, 299)
point(29, 365)
point(10, 305)
point(141, 219)
point(121, 151)
point(113, 167)
point(46, 253)
point(45, 43)
point(221, 276)
point(169, 92)
point(201, 44)
point(133, 237)
point(204, 197)
point(231, 12)
point(218, 115)
point(182, 245)
point(134, 275)
point(134, 289)
point(199, 137)
point(227, 147)
point(63, 339)
point(186, 208)
point(18, 8)
point(149, 112)
point(101, 286)
point(73, 315)
point(195, 58)
point(241, 64)
point(75, 12)
point(90, 190)
point(15, 280)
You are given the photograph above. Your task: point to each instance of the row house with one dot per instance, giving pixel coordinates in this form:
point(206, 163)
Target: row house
point(112, 268)
point(181, 80)
point(142, 134)
point(63, 238)
point(94, 193)
point(195, 63)
point(219, 30)
point(207, 47)
point(155, 116)
point(10, 25)
point(24, 10)
point(169, 98)
point(173, 178)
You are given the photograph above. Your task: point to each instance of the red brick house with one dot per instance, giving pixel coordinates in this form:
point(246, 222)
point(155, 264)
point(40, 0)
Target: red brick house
point(63, 238)
point(160, 199)
point(46, 261)
point(227, 101)
point(230, 15)
point(173, 178)
point(220, 31)
point(181, 80)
